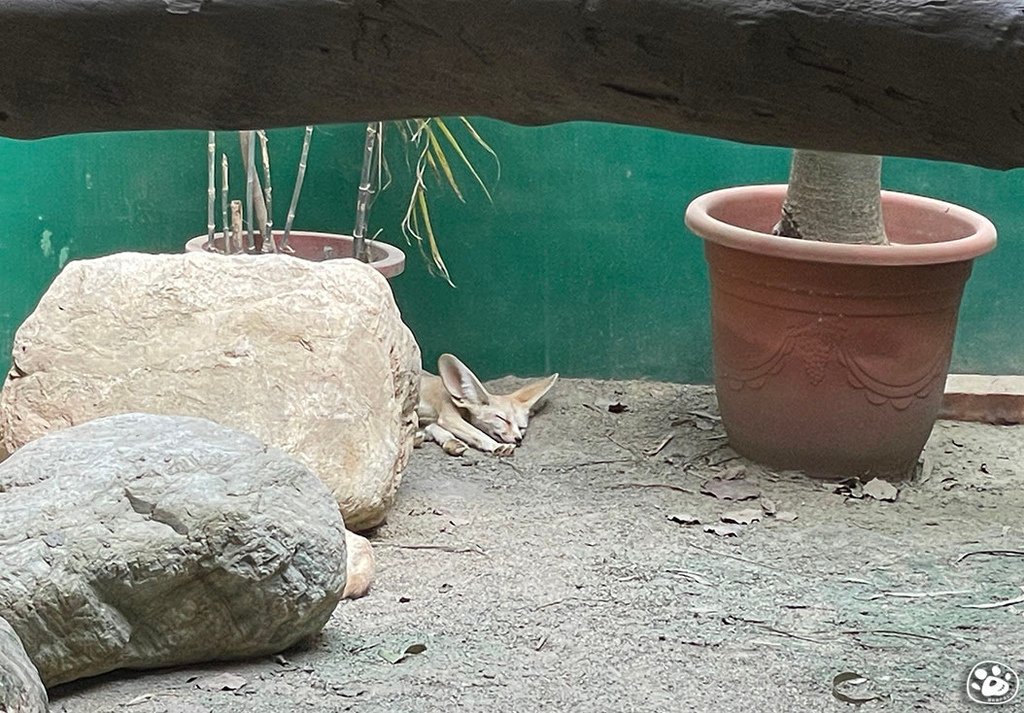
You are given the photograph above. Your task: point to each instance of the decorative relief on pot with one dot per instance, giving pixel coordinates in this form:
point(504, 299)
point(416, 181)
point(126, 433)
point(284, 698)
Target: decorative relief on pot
point(822, 342)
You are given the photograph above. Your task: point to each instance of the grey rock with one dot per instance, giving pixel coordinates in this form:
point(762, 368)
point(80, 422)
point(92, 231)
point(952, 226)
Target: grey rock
point(21, 691)
point(140, 541)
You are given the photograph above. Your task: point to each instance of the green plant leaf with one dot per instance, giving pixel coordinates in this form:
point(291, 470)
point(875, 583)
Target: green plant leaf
point(435, 253)
point(432, 164)
point(442, 160)
point(416, 213)
point(443, 128)
point(483, 144)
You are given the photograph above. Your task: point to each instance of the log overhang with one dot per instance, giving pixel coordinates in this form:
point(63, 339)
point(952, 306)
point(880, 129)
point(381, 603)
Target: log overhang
point(938, 79)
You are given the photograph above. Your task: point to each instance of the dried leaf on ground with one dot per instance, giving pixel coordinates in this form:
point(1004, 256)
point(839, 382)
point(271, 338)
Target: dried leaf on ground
point(724, 530)
point(879, 489)
point(733, 472)
point(221, 682)
point(743, 517)
point(402, 653)
point(851, 488)
point(612, 406)
point(684, 519)
point(850, 687)
point(738, 489)
point(768, 506)
point(785, 516)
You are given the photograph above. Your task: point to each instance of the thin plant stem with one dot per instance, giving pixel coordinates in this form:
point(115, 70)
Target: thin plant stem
point(236, 226)
point(365, 192)
point(268, 225)
point(258, 218)
point(211, 190)
point(225, 246)
point(250, 179)
point(298, 187)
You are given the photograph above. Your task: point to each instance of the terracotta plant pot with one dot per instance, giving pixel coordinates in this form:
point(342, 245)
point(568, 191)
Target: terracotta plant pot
point(386, 259)
point(831, 358)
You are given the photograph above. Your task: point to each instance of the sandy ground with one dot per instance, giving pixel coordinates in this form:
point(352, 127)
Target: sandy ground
point(558, 581)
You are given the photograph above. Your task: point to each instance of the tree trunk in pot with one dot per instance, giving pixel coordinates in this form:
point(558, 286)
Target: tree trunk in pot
point(835, 198)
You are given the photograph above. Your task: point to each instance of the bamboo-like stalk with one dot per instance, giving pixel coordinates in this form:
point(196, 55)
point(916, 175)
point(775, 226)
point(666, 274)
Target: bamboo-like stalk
point(268, 224)
point(365, 193)
point(211, 190)
point(259, 206)
point(298, 187)
point(225, 245)
point(236, 225)
point(250, 178)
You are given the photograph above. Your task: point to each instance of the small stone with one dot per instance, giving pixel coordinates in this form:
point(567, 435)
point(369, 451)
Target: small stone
point(879, 489)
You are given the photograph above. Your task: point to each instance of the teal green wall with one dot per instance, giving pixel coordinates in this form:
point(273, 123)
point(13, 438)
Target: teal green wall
point(581, 265)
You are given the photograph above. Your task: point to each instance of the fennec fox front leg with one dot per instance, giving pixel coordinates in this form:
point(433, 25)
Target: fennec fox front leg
point(468, 435)
point(457, 410)
point(448, 442)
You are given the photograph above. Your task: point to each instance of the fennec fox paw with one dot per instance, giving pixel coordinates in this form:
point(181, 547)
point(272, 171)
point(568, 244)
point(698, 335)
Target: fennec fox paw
point(454, 447)
point(505, 450)
point(417, 440)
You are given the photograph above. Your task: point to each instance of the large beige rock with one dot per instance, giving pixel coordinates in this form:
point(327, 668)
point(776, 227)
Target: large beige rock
point(310, 357)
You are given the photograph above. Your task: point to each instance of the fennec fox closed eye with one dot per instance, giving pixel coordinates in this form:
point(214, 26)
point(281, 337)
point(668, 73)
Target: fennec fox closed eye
point(456, 411)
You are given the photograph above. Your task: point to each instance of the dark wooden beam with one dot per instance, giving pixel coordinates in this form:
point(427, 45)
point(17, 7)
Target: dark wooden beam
point(941, 79)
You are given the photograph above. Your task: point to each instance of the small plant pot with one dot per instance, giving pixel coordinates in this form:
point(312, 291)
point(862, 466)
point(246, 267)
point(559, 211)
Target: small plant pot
point(386, 259)
point(831, 358)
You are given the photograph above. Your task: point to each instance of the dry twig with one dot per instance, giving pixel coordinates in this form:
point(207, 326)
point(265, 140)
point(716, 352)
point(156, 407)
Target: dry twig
point(667, 486)
point(996, 605)
point(455, 549)
point(994, 553)
point(660, 447)
point(915, 595)
point(744, 559)
point(625, 448)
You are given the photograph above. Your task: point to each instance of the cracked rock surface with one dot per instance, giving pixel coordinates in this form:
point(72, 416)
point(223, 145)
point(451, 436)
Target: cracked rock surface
point(310, 357)
point(140, 541)
point(21, 691)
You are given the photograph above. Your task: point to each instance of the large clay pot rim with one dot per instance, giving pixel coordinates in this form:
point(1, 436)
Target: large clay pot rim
point(979, 234)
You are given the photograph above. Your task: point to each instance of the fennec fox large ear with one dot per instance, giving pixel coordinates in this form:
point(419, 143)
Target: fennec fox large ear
point(529, 395)
point(461, 383)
